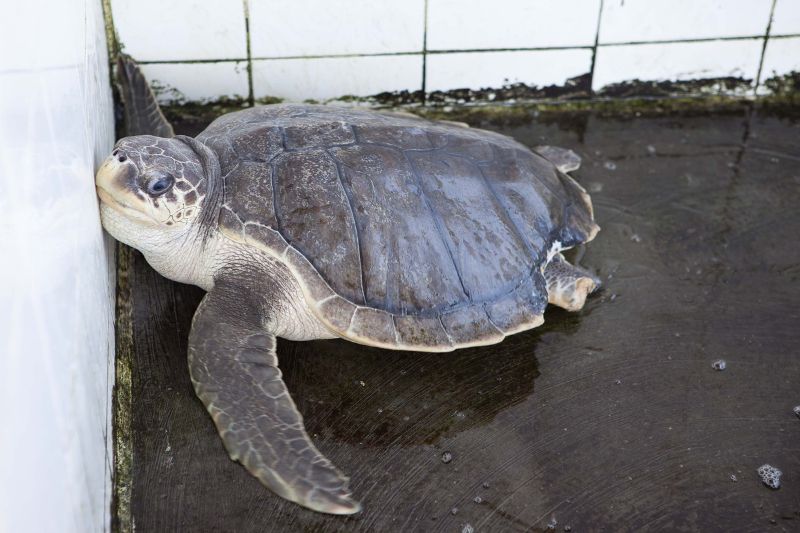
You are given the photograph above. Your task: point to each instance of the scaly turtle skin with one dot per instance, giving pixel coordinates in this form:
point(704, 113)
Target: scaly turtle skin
point(318, 222)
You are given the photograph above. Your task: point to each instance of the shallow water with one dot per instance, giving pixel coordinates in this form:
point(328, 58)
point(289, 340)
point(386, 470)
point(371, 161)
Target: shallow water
point(612, 418)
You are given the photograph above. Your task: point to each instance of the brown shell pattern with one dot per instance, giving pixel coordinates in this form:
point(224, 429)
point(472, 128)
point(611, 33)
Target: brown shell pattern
point(406, 233)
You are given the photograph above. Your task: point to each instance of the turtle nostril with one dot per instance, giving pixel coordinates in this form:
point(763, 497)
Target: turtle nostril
point(115, 152)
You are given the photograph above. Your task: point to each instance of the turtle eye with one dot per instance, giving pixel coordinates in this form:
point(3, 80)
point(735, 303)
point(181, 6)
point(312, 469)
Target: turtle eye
point(159, 185)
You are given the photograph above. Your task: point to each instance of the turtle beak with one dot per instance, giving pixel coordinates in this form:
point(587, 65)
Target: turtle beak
point(116, 184)
point(115, 173)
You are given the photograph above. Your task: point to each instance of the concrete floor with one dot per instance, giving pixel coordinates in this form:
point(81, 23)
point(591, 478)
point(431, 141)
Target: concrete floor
point(610, 419)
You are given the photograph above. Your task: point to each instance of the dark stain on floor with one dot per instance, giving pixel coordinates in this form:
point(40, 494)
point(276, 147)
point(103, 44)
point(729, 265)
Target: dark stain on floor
point(610, 419)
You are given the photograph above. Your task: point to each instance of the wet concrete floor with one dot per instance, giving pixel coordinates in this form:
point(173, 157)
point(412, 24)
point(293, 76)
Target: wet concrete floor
point(610, 419)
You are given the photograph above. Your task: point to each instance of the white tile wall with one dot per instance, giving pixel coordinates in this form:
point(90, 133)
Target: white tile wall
point(781, 57)
point(786, 19)
point(377, 42)
point(198, 82)
point(659, 20)
point(323, 78)
point(169, 30)
point(477, 24)
point(330, 27)
point(677, 61)
point(477, 70)
point(57, 273)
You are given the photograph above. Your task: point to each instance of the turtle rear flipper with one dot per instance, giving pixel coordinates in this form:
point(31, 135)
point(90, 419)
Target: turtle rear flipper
point(565, 160)
point(568, 285)
point(143, 116)
point(235, 373)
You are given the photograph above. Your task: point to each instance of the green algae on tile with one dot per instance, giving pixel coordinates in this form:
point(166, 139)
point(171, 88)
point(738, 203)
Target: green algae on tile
point(122, 398)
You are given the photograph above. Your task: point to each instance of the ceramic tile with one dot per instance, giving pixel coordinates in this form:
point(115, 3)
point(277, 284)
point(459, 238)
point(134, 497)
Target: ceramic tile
point(677, 61)
point(175, 82)
point(325, 78)
point(782, 56)
point(181, 30)
point(310, 27)
point(786, 19)
point(657, 20)
point(477, 70)
point(471, 24)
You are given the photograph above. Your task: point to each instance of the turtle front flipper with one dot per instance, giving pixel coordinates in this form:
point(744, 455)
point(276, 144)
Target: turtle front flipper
point(568, 285)
point(235, 373)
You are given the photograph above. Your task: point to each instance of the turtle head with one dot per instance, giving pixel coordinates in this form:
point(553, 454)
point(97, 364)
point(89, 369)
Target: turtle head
point(156, 193)
point(153, 181)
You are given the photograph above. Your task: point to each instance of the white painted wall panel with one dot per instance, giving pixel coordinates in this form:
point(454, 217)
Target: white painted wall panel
point(476, 24)
point(56, 277)
point(477, 70)
point(658, 20)
point(677, 61)
point(169, 30)
point(323, 78)
point(311, 27)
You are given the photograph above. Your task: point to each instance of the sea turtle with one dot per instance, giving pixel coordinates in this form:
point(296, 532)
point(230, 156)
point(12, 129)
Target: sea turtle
point(318, 222)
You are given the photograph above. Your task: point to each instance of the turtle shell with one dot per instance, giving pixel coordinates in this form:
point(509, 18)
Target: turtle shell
point(403, 232)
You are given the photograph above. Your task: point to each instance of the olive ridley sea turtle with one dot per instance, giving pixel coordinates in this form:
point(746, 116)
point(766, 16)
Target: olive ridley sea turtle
point(319, 222)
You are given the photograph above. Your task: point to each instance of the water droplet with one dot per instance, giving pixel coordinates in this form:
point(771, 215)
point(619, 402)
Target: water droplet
point(485, 484)
point(770, 476)
point(635, 238)
point(447, 457)
point(467, 529)
point(552, 523)
point(595, 187)
point(719, 364)
point(651, 149)
point(454, 511)
point(567, 528)
point(610, 165)
point(797, 410)
point(478, 499)
point(618, 381)
point(734, 478)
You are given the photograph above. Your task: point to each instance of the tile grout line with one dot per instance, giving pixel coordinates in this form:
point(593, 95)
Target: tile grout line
point(764, 48)
point(687, 40)
point(251, 95)
point(425, 53)
point(594, 49)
